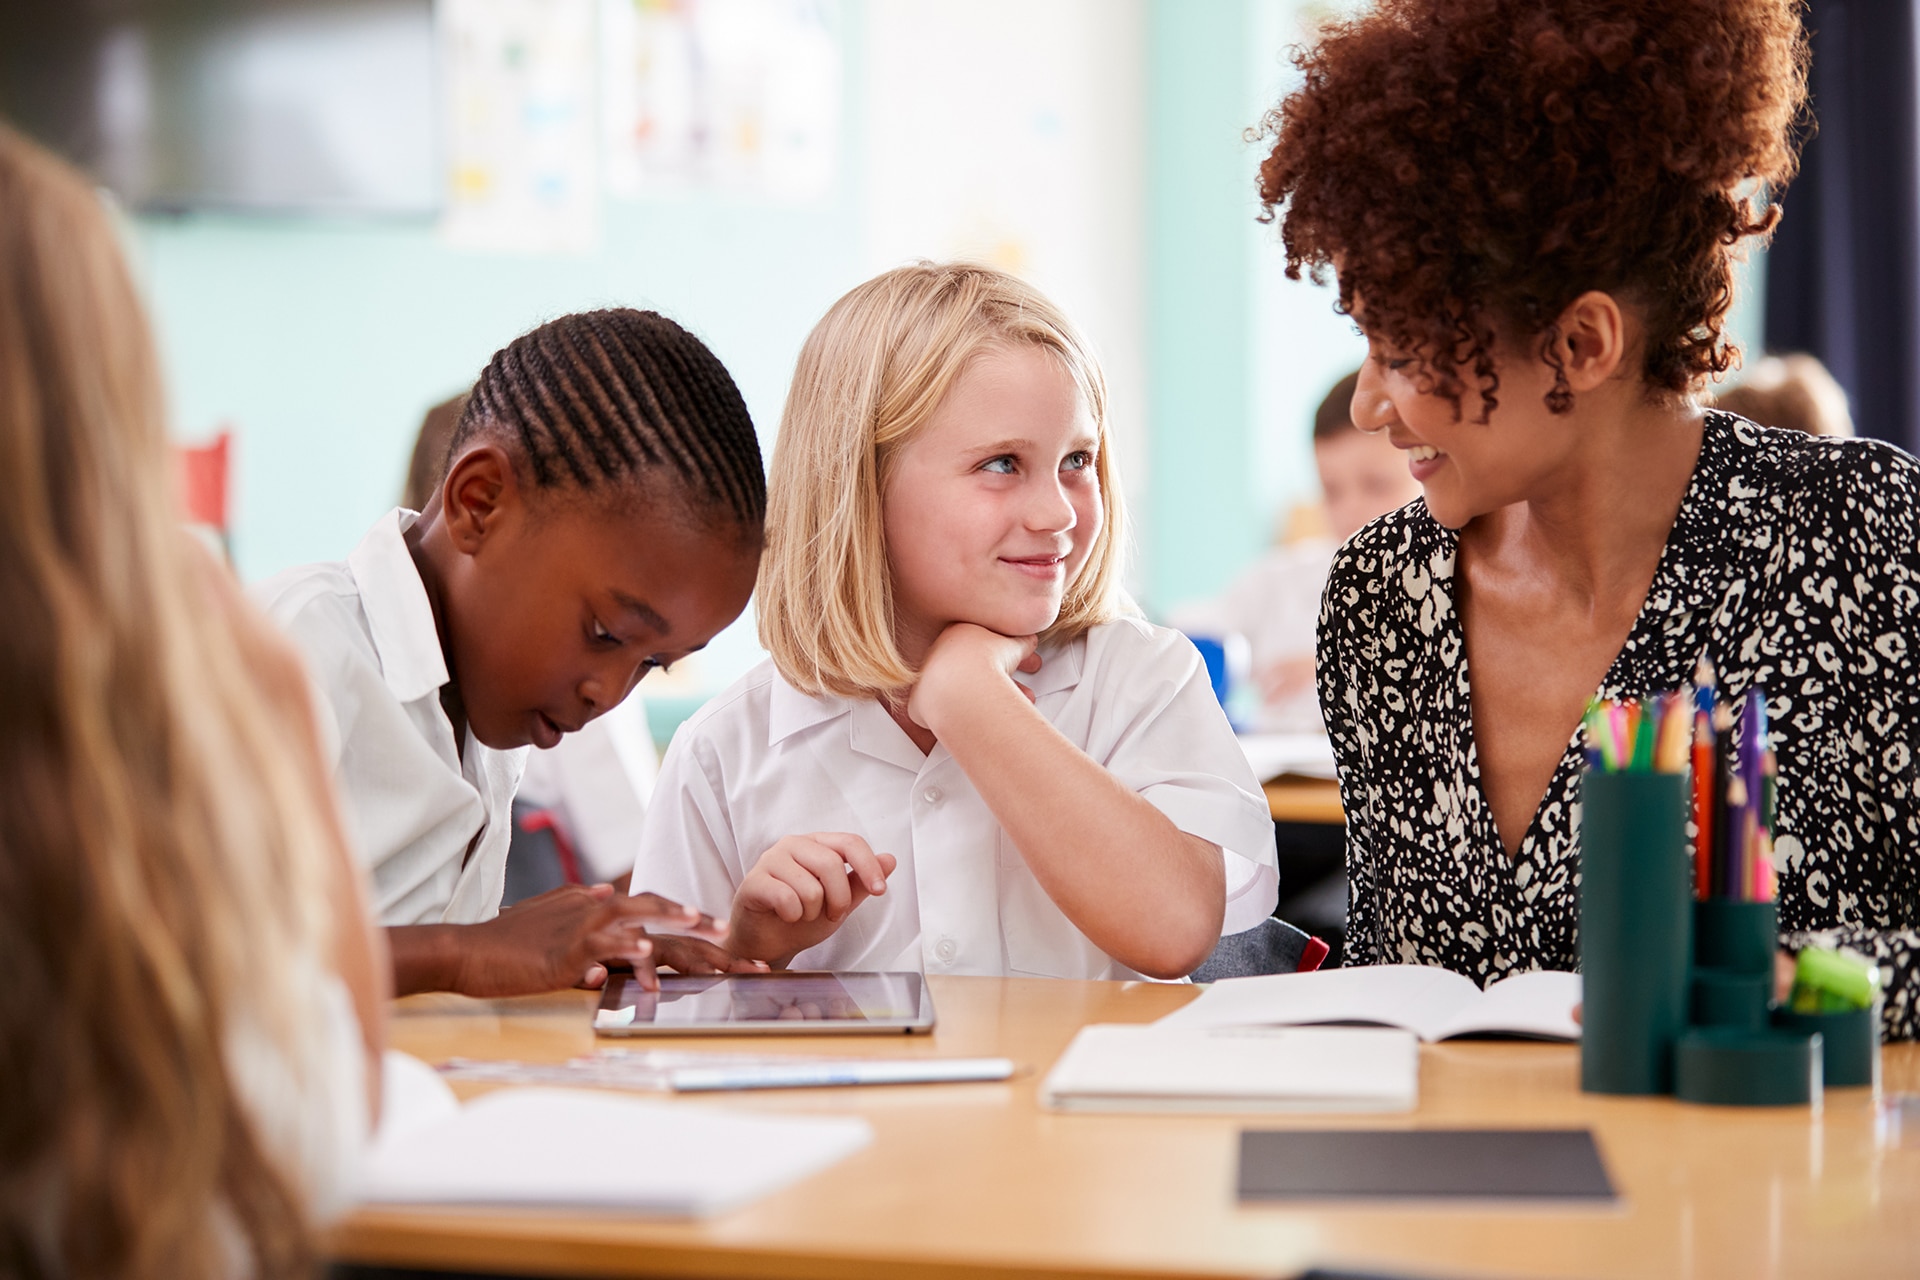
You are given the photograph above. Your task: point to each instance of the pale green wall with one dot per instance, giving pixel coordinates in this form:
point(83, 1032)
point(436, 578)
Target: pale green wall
point(1202, 513)
point(1239, 356)
point(324, 341)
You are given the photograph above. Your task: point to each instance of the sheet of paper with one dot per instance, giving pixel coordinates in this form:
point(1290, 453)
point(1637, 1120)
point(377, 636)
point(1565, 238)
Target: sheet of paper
point(551, 1147)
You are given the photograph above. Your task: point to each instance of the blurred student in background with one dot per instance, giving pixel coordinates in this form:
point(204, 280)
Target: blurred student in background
point(588, 794)
point(1791, 391)
point(1275, 603)
point(193, 1002)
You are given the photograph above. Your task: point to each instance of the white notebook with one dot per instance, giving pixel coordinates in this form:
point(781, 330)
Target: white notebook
point(1111, 1067)
point(555, 1147)
point(1433, 1003)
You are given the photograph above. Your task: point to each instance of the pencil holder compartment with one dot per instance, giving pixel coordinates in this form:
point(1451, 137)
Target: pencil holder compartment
point(1729, 998)
point(1733, 1067)
point(1738, 937)
point(1634, 930)
point(1850, 1043)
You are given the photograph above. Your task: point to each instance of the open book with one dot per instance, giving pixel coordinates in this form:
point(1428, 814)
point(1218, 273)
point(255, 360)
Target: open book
point(1433, 1003)
point(553, 1147)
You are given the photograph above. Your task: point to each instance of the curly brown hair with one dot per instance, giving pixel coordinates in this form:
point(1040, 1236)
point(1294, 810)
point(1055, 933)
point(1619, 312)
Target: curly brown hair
point(1470, 167)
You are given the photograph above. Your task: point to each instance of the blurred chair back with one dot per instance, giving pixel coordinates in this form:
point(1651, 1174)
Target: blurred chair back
point(202, 471)
point(1272, 946)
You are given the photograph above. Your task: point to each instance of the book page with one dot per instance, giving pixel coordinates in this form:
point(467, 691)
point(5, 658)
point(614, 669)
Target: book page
point(1422, 998)
point(1538, 1004)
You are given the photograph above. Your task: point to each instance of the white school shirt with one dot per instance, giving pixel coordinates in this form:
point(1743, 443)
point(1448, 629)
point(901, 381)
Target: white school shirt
point(762, 761)
point(415, 804)
point(597, 783)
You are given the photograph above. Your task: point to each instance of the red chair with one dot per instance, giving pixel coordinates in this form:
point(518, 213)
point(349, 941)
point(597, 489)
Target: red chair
point(201, 473)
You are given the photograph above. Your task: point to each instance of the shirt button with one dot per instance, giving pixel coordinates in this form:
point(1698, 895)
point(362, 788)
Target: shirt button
point(932, 795)
point(946, 950)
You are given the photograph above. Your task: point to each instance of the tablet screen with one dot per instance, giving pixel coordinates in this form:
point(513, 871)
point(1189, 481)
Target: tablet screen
point(801, 1003)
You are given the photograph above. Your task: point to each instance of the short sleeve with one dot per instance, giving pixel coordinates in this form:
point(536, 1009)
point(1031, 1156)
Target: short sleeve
point(1158, 728)
point(687, 848)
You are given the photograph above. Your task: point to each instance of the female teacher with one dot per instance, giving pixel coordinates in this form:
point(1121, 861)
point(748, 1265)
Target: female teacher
point(1532, 207)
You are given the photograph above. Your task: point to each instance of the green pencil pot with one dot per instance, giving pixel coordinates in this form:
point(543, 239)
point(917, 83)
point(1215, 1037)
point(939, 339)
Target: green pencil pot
point(1740, 937)
point(1728, 998)
point(1635, 935)
point(1850, 1043)
point(1733, 1067)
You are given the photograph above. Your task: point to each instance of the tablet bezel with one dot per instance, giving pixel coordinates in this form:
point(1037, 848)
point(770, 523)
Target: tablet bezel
point(920, 1023)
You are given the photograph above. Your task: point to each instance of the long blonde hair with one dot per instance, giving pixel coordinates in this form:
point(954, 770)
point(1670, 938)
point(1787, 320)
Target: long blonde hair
point(161, 851)
point(870, 375)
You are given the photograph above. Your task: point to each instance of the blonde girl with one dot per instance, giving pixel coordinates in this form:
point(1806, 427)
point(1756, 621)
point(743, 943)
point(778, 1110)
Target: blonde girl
point(966, 755)
point(192, 1004)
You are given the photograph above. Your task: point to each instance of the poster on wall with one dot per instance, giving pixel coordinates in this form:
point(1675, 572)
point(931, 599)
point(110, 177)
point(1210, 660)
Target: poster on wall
point(518, 83)
point(735, 96)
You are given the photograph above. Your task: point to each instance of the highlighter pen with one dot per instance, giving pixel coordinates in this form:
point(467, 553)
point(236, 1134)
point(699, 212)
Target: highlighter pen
point(1750, 757)
point(850, 1071)
point(1703, 755)
point(1596, 758)
point(1769, 797)
point(1721, 771)
point(1645, 726)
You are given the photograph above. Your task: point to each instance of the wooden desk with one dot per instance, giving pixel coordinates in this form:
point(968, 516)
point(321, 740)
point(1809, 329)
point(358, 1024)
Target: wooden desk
point(1291, 798)
point(976, 1180)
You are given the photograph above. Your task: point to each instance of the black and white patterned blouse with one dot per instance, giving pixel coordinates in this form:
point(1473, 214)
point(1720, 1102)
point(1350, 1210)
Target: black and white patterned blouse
point(1794, 564)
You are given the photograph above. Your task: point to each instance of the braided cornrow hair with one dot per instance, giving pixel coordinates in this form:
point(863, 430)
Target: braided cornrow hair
point(606, 398)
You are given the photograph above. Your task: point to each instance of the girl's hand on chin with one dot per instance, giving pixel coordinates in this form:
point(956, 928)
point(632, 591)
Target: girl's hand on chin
point(965, 660)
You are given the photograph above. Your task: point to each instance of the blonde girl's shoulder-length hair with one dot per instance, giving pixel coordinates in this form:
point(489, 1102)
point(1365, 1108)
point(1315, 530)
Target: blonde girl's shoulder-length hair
point(870, 375)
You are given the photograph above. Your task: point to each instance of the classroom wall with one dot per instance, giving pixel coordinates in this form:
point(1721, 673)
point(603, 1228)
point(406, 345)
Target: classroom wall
point(1240, 356)
point(322, 341)
point(1098, 146)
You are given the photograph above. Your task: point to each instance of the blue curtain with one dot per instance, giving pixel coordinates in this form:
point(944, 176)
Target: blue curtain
point(1843, 276)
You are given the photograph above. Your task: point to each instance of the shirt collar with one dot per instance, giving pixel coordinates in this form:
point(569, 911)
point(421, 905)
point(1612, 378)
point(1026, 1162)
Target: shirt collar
point(399, 615)
point(791, 711)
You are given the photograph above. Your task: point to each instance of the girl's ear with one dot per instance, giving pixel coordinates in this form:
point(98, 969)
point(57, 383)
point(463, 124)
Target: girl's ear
point(480, 492)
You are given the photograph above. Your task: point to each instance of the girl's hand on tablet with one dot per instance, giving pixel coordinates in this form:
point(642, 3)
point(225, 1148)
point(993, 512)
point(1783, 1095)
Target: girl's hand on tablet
point(800, 890)
point(964, 659)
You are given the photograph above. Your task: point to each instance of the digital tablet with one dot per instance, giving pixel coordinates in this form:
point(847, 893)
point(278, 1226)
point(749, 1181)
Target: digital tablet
point(807, 1004)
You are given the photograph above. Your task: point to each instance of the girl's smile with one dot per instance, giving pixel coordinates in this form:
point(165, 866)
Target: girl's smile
point(992, 507)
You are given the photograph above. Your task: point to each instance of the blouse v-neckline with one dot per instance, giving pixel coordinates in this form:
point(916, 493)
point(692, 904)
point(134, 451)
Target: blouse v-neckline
point(1656, 626)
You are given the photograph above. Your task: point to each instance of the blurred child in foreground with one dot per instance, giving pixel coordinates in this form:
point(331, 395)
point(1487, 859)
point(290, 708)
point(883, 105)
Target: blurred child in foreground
point(193, 1004)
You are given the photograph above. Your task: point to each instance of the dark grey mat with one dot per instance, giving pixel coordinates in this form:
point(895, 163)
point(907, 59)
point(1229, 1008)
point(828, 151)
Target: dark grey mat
point(1502, 1164)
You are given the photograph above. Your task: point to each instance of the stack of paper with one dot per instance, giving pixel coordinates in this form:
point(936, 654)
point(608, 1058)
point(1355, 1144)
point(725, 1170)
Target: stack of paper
point(551, 1147)
point(1160, 1068)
